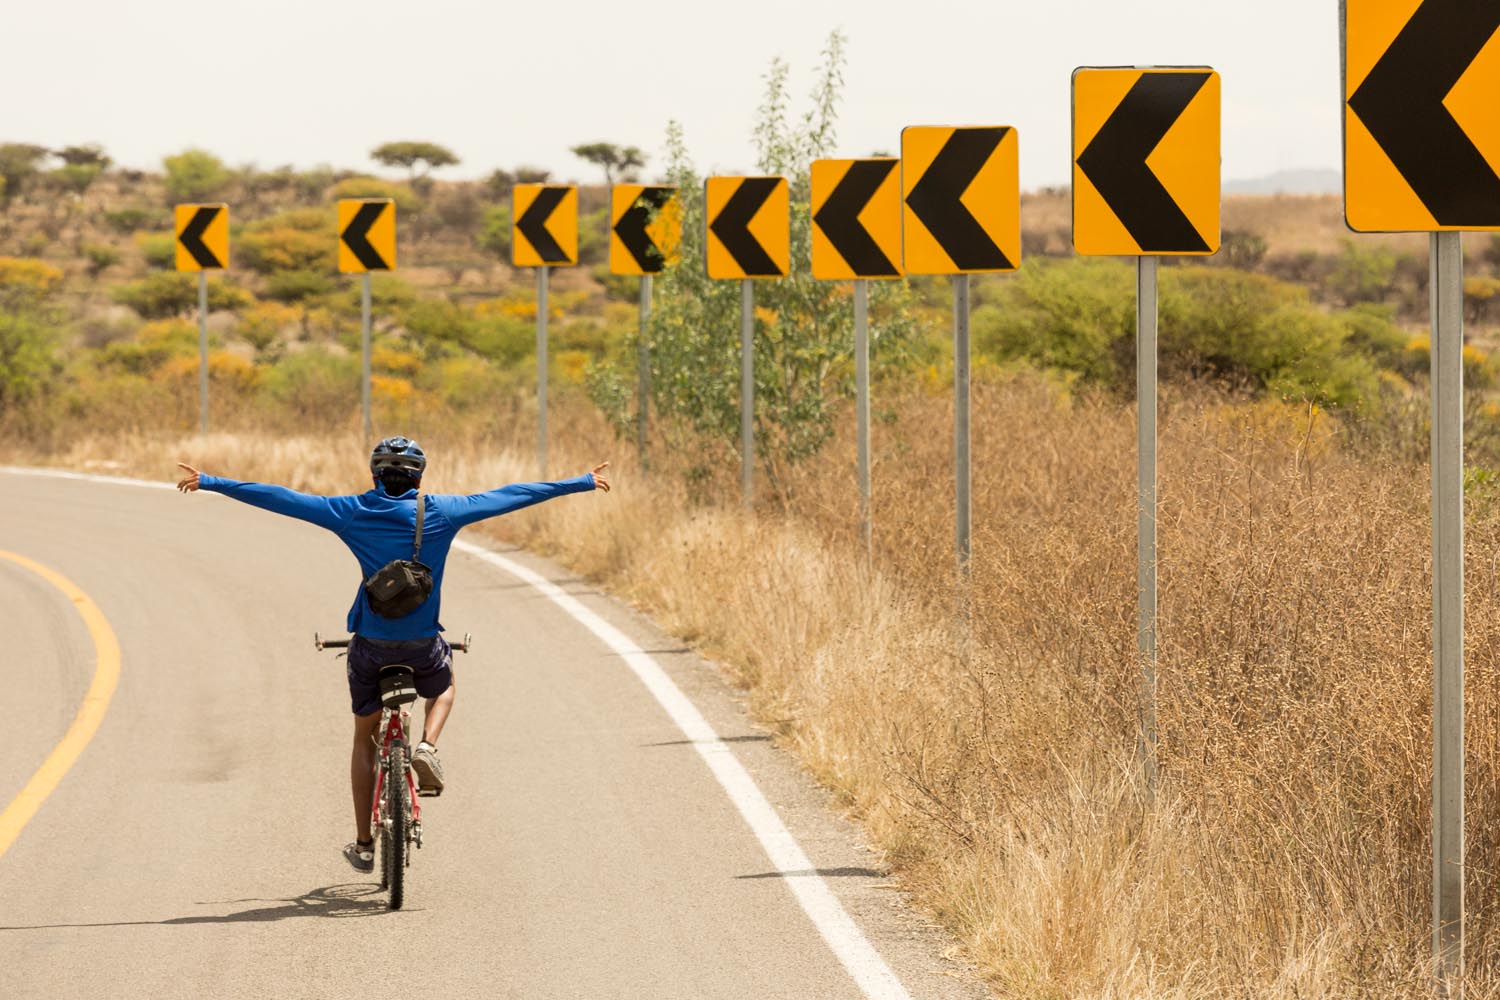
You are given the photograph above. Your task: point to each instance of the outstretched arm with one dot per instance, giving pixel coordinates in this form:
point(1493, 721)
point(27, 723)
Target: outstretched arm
point(322, 511)
point(478, 506)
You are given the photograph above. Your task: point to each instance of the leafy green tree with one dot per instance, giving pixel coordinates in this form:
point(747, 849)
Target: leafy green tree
point(803, 335)
point(611, 157)
point(195, 175)
point(410, 156)
point(87, 155)
point(29, 318)
point(494, 232)
point(19, 163)
point(532, 175)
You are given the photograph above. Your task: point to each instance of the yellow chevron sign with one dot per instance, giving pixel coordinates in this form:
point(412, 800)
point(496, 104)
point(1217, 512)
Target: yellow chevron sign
point(645, 227)
point(856, 215)
point(749, 227)
point(1146, 161)
point(1421, 133)
point(960, 199)
point(202, 237)
point(545, 233)
point(367, 235)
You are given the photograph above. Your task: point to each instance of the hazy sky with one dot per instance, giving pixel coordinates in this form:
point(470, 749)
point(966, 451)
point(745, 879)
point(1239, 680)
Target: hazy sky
point(324, 81)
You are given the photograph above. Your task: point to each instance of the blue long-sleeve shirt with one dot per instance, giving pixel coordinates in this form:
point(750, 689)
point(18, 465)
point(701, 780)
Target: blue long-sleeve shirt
point(379, 528)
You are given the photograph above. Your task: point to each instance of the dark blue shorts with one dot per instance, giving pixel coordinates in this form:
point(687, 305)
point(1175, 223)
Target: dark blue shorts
point(431, 660)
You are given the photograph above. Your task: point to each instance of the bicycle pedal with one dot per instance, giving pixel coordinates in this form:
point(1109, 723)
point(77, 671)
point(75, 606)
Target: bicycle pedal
point(429, 793)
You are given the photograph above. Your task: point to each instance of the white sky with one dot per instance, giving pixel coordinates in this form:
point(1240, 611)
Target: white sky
point(324, 81)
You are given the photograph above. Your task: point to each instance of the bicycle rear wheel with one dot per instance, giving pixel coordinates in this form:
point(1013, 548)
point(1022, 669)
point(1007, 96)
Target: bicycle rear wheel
point(394, 852)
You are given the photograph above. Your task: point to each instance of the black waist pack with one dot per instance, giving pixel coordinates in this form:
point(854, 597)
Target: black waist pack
point(399, 587)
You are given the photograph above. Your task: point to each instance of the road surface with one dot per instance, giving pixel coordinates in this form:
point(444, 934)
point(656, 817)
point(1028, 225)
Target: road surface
point(584, 849)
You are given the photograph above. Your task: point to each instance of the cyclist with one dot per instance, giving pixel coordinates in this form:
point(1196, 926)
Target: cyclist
point(379, 527)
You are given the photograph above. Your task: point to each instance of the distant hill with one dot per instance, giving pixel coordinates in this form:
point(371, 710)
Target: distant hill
point(1290, 182)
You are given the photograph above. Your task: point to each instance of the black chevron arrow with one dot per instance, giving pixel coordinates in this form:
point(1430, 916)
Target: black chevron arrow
point(356, 236)
point(192, 236)
point(934, 199)
point(632, 228)
point(1401, 103)
point(839, 218)
point(533, 225)
point(732, 226)
point(1115, 162)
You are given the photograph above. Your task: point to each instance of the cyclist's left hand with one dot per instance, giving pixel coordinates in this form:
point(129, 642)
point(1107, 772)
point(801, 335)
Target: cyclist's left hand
point(601, 477)
point(188, 483)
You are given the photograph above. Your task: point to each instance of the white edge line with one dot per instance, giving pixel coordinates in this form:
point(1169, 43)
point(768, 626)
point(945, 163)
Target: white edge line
point(860, 959)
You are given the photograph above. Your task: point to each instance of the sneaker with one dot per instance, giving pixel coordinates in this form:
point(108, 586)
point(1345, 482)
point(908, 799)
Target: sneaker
point(361, 856)
point(429, 769)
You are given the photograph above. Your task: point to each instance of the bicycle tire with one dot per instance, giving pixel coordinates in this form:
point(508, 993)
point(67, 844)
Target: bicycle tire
point(400, 817)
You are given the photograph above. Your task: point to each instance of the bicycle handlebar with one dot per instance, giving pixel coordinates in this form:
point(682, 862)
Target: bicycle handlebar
point(321, 643)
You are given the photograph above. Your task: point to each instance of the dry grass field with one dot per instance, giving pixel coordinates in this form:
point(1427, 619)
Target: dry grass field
point(985, 733)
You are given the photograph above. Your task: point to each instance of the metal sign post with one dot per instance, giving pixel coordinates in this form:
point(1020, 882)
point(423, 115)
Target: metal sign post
point(203, 352)
point(1448, 611)
point(1145, 546)
point(367, 242)
point(643, 358)
point(541, 371)
point(747, 391)
point(364, 344)
point(862, 406)
point(961, 436)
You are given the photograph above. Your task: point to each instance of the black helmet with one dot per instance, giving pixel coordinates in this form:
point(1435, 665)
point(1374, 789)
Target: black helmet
point(398, 454)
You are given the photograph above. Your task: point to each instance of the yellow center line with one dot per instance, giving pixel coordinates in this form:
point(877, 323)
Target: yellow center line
point(90, 713)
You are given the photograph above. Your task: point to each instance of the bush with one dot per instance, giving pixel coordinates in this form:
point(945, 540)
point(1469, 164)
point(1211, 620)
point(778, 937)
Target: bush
point(304, 239)
point(195, 175)
point(316, 387)
point(130, 218)
point(159, 249)
point(100, 256)
point(164, 294)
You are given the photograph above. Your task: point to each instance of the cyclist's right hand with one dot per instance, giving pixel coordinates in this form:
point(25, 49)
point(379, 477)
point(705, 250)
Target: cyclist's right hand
point(188, 483)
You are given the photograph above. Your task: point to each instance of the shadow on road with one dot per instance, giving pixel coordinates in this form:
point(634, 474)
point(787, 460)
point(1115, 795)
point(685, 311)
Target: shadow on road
point(721, 739)
point(352, 899)
point(824, 872)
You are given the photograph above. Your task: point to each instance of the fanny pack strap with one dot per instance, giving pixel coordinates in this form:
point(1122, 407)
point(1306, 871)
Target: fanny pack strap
point(416, 552)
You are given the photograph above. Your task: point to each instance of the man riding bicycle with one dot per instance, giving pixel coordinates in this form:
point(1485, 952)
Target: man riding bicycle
point(379, 527)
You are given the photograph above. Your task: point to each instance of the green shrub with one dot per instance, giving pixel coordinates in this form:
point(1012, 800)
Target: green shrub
point(195, 175)
point(314, 386)
point(163, 294)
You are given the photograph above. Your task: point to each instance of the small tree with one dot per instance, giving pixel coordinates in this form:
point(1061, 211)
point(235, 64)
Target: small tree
point(19, 162)
point(195, 175)
point(532, 175)
point(88, 155)
point(612, 158)
point(411, 155)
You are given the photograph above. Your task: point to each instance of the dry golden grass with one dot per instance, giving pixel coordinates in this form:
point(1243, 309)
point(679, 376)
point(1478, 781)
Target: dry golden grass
point(1286, 854)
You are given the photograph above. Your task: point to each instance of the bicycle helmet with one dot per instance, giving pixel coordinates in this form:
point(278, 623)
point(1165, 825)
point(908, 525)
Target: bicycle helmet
point(399, 456)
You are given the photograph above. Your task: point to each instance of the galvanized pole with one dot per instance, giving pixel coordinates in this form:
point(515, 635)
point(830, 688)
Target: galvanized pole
point(643, 386)
point(1448, 612)
point(364, 325)
point(203, 352)
point(862, 406)
point(747, 391)
point(961, 436)
point(541, 372)
point(1145, 545)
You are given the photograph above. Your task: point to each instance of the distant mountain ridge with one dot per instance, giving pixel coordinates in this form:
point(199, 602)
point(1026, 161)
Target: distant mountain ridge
point(1310, 181)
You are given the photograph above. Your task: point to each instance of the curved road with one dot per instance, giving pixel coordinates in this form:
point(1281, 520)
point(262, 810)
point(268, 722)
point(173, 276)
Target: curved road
point(582, 850)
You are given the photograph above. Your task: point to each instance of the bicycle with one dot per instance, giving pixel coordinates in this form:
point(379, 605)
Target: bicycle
point(396, 817)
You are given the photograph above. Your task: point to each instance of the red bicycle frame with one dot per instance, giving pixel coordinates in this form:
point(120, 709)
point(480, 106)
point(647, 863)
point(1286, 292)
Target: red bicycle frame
point(395, 733)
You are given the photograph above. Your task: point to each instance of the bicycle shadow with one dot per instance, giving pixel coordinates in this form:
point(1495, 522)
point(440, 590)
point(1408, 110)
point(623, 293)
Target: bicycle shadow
point(349, 899)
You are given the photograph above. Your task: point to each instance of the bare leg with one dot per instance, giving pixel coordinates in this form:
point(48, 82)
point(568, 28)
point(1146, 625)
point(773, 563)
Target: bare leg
point(362, 771)
point(437, 714)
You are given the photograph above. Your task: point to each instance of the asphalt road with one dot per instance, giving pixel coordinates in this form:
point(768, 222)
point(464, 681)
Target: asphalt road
point(583, 849)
